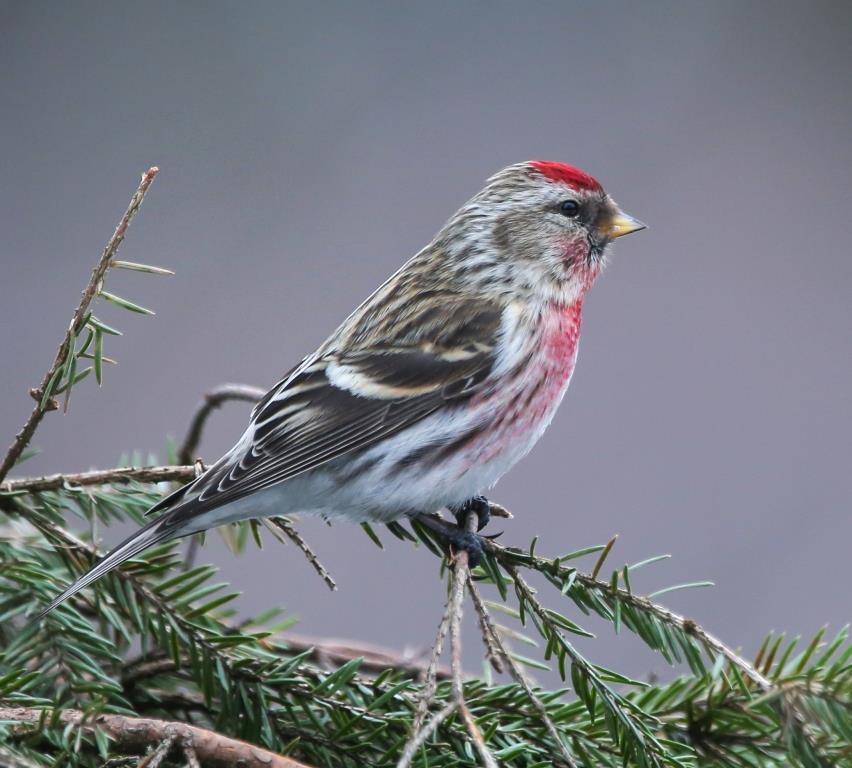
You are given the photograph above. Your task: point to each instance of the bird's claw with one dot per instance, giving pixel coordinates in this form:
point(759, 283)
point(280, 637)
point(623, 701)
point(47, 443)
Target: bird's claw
point(464, 541)
point(478, 504)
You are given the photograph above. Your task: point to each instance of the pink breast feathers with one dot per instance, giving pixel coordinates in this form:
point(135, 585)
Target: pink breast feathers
point(539, 389)
point(560, 337)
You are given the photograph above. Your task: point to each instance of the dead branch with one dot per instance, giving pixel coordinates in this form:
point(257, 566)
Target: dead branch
point(212, 400)
point(117, 475)
point(78, 320)
point(280, 528)
point(137, 734)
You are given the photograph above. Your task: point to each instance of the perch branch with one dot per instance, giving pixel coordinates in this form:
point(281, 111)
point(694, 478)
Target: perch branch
point(421, 728)
point(459, 579)
point(78, 320)
point(506, 556)
point(136, 734)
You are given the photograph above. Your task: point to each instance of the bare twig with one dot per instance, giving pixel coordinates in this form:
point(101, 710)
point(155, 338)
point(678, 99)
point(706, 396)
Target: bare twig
point(494, 652)
point(418, 738)
point(281, 527)
point(430, 682)
point(78, 320)
point(209, 403)
point(374, 659)
point(493, 640)
point(137, 734)
point(459, 578)
point(113, 476)
point(155, 758)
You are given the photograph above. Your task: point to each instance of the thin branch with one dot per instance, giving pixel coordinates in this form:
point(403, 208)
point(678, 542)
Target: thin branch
point(328, 653)
point(117, 475)
point(430, 682)
point(494, 651)
point(155, 758)
point(137, 734)
point(123, 475)
point(373, 658)
point(78, 320)
point(459, 578)
point(419, 737)
point(209, 403)
point(280, 528)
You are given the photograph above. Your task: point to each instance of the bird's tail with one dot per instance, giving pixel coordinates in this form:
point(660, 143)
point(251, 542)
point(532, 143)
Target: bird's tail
point(155, 532)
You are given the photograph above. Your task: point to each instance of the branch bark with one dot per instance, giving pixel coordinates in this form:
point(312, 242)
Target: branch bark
point(122, 475)
point(78, 320)
point(137, 733)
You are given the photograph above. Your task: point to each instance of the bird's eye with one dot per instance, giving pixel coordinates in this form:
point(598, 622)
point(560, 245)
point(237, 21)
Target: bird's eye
point(569, 208)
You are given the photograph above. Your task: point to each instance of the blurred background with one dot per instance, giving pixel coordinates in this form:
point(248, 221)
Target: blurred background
point(307, 149)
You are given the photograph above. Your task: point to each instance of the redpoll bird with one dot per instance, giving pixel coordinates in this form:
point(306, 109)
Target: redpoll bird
point(434, 387)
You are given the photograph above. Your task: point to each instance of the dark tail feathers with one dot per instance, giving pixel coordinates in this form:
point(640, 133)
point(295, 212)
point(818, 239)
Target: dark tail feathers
point(155, 532)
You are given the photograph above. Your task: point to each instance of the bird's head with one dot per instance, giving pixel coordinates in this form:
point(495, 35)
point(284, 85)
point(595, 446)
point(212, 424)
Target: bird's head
point(545, 226)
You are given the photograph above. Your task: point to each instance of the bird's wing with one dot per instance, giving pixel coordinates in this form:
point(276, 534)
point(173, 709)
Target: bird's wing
point(334, 403)
point(346, 401)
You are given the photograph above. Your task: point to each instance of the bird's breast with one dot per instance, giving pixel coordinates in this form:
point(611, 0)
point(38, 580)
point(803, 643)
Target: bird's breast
point(522, 404)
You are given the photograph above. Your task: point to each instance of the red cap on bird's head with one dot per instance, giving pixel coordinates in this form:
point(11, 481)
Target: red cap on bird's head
point(567, 174)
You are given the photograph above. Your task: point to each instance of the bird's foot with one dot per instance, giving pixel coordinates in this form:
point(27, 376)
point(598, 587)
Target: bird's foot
point(456, 538)
point(463, 541)
point(478, 505)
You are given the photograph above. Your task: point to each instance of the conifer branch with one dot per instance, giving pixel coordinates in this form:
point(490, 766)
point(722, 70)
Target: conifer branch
point(495, 644)
point(78, 321)
point(551, 568)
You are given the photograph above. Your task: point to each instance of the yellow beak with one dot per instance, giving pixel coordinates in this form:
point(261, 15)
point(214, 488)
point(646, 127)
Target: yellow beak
point(622, 224)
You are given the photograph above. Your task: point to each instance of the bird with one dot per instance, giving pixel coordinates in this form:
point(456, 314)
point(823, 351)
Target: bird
point(433, 388)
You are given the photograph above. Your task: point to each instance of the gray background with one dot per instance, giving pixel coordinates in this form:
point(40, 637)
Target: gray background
point(308, 149)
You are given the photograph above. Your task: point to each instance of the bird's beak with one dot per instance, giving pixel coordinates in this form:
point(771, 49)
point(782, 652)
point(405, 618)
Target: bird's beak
point(621, 224)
